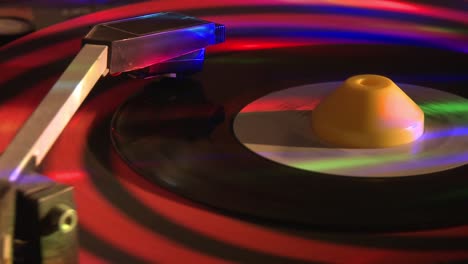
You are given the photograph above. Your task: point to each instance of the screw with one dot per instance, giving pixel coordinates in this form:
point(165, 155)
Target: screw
point(62, 218)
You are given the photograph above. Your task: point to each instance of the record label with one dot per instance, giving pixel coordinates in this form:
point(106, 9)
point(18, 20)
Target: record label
point(278, 127)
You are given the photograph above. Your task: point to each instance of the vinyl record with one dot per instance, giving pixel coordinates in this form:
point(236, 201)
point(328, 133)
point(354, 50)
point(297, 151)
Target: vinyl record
point(128, 214)
point(181, 133)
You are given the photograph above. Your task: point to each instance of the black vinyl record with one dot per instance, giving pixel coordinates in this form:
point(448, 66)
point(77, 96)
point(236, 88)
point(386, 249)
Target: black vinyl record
point(178, 132)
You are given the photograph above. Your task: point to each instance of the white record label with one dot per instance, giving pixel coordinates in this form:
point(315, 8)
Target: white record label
point(278, 127)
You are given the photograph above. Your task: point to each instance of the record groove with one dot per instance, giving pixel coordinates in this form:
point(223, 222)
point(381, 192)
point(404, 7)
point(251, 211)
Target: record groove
point(199, 157)
point(153, 221)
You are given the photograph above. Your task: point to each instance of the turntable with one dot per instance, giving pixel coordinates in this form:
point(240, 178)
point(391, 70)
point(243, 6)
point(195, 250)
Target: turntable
point(282, 131)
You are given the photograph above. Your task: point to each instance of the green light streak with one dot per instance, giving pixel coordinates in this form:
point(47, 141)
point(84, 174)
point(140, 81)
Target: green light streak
point(446, 30)
point(442, 108)
point(350, 162)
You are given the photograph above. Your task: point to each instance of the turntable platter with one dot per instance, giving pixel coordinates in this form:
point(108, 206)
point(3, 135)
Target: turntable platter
point(125, 217)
